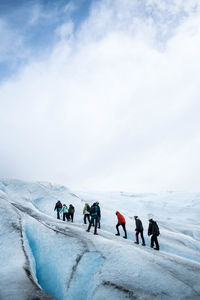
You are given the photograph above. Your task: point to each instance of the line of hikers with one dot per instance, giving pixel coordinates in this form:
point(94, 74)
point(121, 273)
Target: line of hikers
point(153, 230)
point(93, 215)
point(68, 213)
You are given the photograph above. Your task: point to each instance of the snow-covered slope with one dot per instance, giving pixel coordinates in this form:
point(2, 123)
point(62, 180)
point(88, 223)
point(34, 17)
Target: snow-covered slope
point(45, 258)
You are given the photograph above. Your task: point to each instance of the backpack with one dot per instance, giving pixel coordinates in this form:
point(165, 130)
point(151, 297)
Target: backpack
point(157, 231)
point(93, 209)
point(139, 225)
point(71, 209)
point(60, 205)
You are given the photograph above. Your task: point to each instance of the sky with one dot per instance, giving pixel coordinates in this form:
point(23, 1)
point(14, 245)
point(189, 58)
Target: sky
point(101, 95)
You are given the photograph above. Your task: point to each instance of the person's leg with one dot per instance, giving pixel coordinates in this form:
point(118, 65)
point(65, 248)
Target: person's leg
point(90, 224)
point(156, 242)
point(117, 227)
point(124, 227)
point(99, 224)
point(72, 217)
point(95, 224)
point(152, 241)
point(68, 216)
point(142, 236)
point(63, 216)
point(88, 217)
point(84, 219)
point(58, 214)
point(136, 235)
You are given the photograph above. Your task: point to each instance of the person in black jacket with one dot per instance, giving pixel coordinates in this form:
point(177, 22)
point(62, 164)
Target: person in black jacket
point(153, 230)
point(139, 229)
point(71, 212)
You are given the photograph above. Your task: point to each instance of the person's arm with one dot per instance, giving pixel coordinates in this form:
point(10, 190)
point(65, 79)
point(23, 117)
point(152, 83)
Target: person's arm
point(136, 225)
point(99, 213)
point(150, 229)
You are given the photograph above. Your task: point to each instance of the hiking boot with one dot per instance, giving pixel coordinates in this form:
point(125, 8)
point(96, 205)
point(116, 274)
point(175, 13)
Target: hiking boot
point(95, 233)
point(117, 234)
point(136, 243)
point(87, 230)
point(143, 244)
point(125, 237)
point(156, 249)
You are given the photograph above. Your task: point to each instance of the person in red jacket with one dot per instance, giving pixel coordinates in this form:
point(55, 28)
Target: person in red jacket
point(122, 222)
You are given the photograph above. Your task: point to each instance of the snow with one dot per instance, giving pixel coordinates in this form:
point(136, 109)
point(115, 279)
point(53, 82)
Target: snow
point(45, 258)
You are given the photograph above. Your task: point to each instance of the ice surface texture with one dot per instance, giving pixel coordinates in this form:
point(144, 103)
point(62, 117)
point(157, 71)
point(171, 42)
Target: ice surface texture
point(45, 258)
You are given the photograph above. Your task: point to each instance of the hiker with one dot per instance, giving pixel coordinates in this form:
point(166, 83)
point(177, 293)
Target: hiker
point(58, 207)
point(86, 213)
point(139, 229)
point(122, 222)
point(95, 214)
point(153, 230)
point(65, 212)
point(71, 212)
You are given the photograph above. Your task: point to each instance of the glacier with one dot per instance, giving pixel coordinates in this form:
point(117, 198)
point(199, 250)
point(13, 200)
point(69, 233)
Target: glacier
point(45, 258)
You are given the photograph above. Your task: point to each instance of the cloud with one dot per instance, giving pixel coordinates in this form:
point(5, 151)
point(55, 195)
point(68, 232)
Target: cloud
point(109, 108)
point(65, 30)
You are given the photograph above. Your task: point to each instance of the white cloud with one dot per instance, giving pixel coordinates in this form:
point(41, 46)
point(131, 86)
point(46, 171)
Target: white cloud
point(65, 30)
point(107, 109)
point(36, 14)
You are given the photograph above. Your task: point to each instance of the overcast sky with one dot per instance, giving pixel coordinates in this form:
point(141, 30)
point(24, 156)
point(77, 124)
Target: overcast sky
point(101, 95)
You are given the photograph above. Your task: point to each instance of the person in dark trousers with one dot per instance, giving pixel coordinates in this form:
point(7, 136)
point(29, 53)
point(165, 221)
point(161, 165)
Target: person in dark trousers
point(95, 214)
point(153, 230)
point(139, 229)
point(58, 207)
point(65, 212)
point(71, 212)
point(98, 222)
point(121, 222)
point(86, 213)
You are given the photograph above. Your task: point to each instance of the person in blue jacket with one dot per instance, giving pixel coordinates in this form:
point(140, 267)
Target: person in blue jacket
point(65, 212)
point(95, 214)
